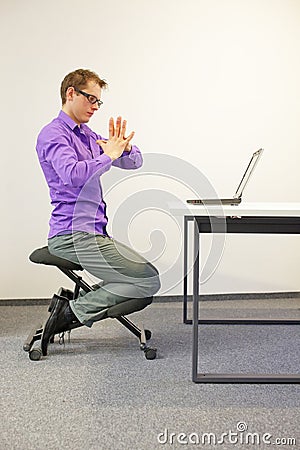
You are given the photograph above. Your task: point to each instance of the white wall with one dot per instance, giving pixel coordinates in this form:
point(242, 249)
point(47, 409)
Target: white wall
point(207, 81)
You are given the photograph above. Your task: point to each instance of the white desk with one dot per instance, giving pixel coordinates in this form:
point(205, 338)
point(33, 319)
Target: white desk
point(243, 209)
point(260, 218)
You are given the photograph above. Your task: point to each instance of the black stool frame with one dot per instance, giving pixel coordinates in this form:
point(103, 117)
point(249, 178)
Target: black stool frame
point(68, 268)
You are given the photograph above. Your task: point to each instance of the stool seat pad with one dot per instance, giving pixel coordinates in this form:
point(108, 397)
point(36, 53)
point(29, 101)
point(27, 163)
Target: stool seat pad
point(42, 256)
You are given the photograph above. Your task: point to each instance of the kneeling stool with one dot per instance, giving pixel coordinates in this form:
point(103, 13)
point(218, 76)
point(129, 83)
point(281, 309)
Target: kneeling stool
point(119, 311)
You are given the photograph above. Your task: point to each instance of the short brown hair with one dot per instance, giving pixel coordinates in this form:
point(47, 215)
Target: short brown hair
point(79, 79)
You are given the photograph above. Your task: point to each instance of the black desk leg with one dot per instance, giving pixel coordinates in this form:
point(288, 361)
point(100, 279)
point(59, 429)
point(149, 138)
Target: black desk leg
point(185, 265)
point(195, 302)
point(232, 377)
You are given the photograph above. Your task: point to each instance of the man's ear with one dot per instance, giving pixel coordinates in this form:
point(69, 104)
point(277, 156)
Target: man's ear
point(70, 92)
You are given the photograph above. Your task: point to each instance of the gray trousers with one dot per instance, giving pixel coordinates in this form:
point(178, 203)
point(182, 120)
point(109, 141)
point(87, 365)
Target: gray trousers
point(124, 273)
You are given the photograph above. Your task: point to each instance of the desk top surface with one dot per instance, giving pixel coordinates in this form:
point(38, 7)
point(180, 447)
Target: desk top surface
point(243, 209)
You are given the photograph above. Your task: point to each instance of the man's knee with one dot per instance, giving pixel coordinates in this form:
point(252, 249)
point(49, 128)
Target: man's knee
point(156, 284)
point(153, 279)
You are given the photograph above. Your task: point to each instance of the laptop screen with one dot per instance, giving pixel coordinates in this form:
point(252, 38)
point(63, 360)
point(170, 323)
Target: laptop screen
point(248, 172)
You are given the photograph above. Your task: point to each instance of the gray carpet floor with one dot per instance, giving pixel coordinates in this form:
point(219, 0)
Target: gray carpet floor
point(99, 392)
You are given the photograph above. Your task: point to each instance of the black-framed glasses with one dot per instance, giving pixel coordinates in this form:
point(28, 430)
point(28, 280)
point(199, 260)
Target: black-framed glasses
point(91, 98)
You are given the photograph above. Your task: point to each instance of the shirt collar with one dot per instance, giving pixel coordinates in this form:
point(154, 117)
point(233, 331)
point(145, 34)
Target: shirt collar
point(67, 120)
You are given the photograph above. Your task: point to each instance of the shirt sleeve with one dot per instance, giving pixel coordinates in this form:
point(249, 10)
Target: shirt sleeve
point(130, 160)
point(58, 151)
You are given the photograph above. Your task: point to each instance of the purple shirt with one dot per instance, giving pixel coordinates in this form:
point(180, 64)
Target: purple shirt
point(72, 163)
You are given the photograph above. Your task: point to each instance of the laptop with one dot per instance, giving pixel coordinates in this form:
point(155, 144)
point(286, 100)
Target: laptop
point(237, 198)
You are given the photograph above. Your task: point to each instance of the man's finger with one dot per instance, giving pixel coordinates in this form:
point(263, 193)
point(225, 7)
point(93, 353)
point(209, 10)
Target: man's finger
point(101, 142)
point(123, 131)
point(118, 126)
point(128, 139)
point(111, 128)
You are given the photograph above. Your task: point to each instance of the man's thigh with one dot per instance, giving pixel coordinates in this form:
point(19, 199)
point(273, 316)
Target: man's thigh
point(103, 257)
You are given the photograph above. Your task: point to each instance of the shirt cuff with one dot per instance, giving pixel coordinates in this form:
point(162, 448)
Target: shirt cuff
point(105, 160)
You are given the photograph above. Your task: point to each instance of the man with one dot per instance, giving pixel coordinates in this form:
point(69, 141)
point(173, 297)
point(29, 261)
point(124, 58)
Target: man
point(73, 159)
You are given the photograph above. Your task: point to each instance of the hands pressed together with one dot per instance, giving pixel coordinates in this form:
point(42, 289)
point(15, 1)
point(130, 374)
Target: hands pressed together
point(117, 142)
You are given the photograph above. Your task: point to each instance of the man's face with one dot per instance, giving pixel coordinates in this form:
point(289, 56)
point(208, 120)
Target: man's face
point(78, 106)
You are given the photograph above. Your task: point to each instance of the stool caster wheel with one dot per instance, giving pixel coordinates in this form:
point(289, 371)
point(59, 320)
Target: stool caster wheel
point(35, 354)
point(150, 353)
point(148, 334)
